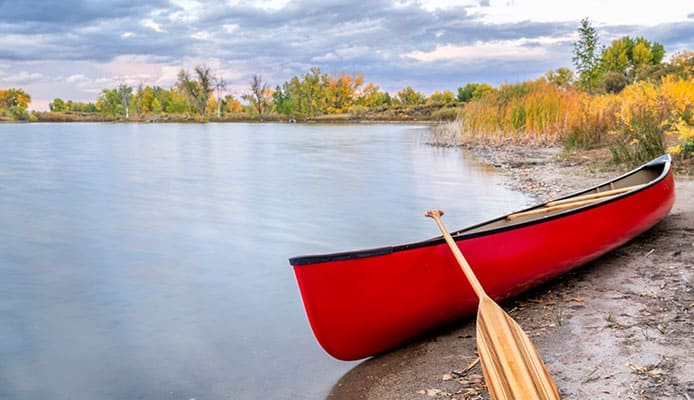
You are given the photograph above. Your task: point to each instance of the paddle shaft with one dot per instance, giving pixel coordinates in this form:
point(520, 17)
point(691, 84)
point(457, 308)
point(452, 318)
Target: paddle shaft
point(476, 286)
point(512, 367)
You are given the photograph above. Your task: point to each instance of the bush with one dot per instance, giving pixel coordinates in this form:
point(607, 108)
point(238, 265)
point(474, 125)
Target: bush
point(651, 114)
point(19, 113)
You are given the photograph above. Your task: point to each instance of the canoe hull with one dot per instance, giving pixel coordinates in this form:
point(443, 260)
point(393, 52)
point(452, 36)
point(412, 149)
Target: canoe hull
point(366, 305)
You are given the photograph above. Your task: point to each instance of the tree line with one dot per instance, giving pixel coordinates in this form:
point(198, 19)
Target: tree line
point(200, 92)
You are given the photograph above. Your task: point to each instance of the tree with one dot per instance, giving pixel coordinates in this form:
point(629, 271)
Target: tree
point(633, 58)
point(156, 106)
point(410, 97)
point(283, 100)
point(220, 86)
point(176, 103)
point(260, 95)
point(232, 104)
point(164, 97)
point(473, 91)
point(124, 92)
point(138, 100)
point(14, 102)
point(586, 56)
point(145, 99)
point(340, 91)
point(311, 92)
point(445, 97)
point(57, 105)
point(372, 97)
point(198, 90)
point(560, 77)
point(109, 103)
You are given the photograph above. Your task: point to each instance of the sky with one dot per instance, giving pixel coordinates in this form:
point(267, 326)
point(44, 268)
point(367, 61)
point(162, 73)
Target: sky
point(73, 49)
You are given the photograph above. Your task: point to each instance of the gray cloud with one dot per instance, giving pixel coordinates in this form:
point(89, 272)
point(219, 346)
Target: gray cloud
point(675, 36)
point(370, 37)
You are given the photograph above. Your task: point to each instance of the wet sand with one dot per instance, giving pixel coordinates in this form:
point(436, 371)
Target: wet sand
point(618, 328)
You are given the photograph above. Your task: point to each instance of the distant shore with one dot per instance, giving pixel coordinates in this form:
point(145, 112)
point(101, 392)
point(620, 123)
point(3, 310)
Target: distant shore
point(616, 328)
point(422, 113)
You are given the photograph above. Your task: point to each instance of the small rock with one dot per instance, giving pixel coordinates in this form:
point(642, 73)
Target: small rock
point(433, 392)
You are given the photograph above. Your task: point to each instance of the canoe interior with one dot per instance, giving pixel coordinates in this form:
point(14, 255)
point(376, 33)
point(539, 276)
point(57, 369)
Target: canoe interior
point(640, 177)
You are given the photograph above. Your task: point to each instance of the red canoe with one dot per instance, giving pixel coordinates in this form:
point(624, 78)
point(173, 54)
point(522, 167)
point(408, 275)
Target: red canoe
point(365, 302)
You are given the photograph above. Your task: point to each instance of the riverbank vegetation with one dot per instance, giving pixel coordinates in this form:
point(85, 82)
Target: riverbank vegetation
point(622, 96)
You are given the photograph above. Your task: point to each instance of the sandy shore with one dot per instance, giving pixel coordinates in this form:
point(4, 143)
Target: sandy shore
point(617, 328)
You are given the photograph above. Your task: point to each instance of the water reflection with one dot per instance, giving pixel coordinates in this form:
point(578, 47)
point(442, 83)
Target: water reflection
point(150, 261)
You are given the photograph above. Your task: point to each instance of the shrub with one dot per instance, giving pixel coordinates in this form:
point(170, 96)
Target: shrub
point(648, 113)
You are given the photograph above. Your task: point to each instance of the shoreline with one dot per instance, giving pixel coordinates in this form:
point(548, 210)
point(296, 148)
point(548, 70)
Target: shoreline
point(619, 327)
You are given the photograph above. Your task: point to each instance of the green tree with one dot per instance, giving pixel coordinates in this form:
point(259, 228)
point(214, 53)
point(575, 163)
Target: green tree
point(473, 91)
point(197, 90)
point(311, 92)
point(177, 103)
point(283, 100)
point(586, 56)
point(57, 105)
point(156, 106)
point(137, 100)
point(163, 96)
point(124, 92)
point(109, 103)
point(19, 113)
point(632, 58)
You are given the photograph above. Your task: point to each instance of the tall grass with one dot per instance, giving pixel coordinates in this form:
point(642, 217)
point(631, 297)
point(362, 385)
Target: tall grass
point(639, 123)
point(534, 111)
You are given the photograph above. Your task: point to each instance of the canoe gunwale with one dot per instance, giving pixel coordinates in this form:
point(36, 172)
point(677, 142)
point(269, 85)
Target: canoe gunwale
point(663, 162)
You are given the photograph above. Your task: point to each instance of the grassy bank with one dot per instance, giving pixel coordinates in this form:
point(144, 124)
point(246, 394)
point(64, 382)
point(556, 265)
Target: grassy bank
point(642, 121)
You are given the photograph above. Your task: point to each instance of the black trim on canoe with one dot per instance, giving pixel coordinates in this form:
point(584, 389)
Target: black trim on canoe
point(660, 162)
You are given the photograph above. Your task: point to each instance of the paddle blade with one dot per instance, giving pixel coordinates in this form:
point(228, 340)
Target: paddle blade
point(511, 365)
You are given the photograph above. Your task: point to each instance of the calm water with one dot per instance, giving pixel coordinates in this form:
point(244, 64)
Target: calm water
point(150, 261)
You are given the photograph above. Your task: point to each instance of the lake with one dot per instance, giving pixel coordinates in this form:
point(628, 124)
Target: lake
point(149, 261)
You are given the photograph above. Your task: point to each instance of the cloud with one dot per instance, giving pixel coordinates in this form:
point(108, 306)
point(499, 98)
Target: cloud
point(149, 23)
point(21, 78)
point(491, 50)
point(428, 44)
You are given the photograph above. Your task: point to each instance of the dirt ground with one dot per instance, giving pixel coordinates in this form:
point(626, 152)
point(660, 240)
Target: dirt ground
point(618, 328)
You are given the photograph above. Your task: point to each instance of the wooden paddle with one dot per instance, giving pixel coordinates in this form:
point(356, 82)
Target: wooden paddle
point(511, 365)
